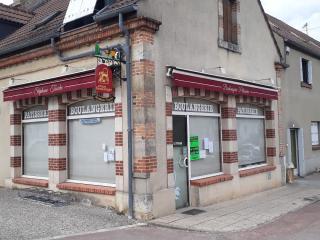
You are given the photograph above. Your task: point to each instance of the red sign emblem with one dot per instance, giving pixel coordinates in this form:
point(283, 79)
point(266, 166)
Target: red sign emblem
point(103, 79)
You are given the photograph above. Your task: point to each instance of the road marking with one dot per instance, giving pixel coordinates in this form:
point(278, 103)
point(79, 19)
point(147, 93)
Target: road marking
point(96, 231)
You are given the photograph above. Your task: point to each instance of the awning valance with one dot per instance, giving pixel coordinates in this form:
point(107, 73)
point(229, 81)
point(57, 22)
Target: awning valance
point(190, 79)
point(49, 87)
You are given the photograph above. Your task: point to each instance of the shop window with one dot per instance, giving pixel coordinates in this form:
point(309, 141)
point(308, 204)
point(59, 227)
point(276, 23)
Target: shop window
point(91, 142)
point(251, 136)
point(205, 132)
point(315, 133)
point(306, 72)
point(35, 142)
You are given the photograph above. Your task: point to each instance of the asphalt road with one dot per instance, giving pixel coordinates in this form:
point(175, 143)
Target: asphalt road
point(302, 224)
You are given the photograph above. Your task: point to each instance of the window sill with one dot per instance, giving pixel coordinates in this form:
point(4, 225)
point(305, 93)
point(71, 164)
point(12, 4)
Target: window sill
point(255, 171)
point(211, 180)
point(306, 85)
point(31, 182)
point(79, 187)
point(315, 147)
point(229, 46)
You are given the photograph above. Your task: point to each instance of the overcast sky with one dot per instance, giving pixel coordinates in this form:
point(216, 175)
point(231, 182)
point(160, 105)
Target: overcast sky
point(295, 12)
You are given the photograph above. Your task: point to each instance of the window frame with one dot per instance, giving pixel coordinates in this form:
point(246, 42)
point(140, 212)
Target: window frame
point(255, 165)
point(229, 22)
point(229, 34)
point(23, 123)
point(318, 127)
point(85, 116)
point(306, 76)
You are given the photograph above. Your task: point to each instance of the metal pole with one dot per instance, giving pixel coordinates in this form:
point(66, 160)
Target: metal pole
point(127, 49)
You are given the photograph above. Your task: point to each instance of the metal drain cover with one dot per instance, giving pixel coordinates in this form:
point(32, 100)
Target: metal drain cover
point(193, 212)
point(46, 197)
point(46, 201)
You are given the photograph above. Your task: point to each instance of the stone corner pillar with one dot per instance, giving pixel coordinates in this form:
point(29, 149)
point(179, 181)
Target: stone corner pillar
point(15, 141)
point(57, 149)
point(229, 137)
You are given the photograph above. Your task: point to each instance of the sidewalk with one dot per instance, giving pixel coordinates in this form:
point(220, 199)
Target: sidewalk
point(248, 212)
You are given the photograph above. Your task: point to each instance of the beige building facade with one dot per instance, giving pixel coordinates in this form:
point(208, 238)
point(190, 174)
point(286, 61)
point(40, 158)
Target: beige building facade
point(204, 105)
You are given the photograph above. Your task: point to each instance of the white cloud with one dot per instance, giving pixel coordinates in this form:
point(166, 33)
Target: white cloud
point(7, 2)
point(296, 13)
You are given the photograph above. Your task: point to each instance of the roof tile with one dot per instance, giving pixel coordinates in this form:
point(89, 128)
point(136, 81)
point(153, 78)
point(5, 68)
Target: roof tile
point(295, 37)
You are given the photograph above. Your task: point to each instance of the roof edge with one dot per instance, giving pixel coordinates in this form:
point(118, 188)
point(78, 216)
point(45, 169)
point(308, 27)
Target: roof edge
point(270, 30)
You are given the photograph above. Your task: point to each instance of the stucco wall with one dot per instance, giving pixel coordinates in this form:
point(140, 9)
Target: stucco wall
point(4, 138)
point(188, 38)
point(302, 105)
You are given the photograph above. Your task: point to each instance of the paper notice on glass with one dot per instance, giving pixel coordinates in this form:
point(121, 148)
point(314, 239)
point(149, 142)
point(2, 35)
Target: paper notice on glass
point(111, 155)
point(105, 157)
point(203, 154)
point(206, 143)
point(210, 147)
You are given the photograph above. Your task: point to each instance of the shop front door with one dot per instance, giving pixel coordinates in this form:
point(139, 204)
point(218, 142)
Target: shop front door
point(180, 159)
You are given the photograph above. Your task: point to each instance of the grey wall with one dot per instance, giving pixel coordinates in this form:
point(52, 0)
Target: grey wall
point(188, 38)
point(301, 105)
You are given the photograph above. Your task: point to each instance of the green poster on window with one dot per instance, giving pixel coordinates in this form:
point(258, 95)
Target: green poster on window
point(194, 148)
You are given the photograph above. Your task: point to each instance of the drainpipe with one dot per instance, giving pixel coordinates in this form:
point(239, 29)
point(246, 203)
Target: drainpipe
point(127, 50)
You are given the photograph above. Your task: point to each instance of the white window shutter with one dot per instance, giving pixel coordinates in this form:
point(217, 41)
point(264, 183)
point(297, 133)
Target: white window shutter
point(301, 70)
point(310, 72)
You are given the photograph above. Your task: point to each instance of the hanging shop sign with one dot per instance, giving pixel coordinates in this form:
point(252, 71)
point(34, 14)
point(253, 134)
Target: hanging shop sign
point(90, 107)
point(38, 112)
point(194, 148)
point(103, 79)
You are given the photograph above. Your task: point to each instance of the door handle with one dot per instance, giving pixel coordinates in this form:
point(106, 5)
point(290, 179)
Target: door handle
point(185, 161)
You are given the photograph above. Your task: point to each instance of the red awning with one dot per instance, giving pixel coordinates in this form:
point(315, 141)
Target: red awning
point(189, 79)
point(51, 87)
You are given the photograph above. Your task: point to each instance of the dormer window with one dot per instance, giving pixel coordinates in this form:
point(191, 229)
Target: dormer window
point(229, 28)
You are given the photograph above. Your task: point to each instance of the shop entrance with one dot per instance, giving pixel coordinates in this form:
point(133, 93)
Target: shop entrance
point(180, 161)
point(294, 150)
point(196, 145)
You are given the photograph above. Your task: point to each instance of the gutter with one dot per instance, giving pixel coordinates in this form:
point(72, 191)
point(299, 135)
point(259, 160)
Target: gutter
point(127, 50)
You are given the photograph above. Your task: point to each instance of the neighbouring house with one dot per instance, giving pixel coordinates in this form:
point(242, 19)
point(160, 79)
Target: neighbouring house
point(300, 97)
point(204, 113)
point(11, 19)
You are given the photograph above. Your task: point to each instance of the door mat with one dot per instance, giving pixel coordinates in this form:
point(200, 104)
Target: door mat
point(193, 212)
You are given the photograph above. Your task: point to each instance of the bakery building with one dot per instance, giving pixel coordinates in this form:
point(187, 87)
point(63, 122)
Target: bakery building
point(195, 121)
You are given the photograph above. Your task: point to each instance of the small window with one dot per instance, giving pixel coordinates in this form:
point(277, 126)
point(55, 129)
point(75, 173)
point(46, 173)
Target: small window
point(306, 71)
point(230, 31)
point(315, 133)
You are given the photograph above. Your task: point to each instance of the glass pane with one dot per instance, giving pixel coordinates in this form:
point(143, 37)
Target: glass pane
point(35, 149)
point(251, 141)
point(206, 131)
point(314, 133)
point(88, 160)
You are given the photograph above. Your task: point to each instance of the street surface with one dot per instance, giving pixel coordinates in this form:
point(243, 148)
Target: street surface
point(303, 224)
point(290, 212)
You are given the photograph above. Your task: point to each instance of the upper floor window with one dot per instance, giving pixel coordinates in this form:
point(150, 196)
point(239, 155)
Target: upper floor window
point(230, 21)
point(229, 28)
point(315, 137)
point(306, 72)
